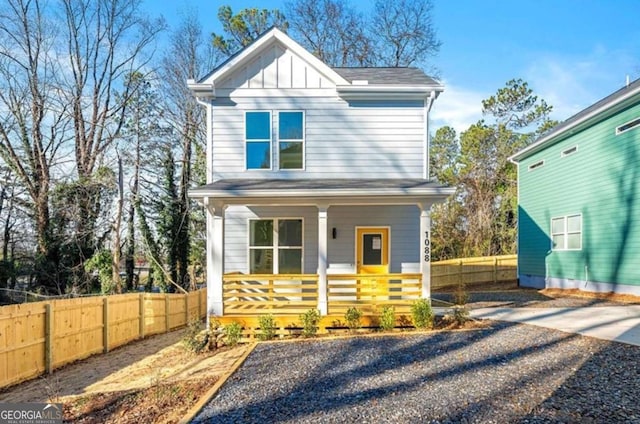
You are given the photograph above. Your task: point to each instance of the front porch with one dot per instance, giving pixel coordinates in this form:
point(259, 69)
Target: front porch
point(285, 247)
point(248, 297)
point(254, 295)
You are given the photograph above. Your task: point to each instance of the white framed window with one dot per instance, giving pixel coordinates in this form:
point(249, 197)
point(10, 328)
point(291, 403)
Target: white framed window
point(569, 151)
point(628, 126)
point(291, 134)
point(536, 165)
point(275, 246)
point(257, 132)
point(566, 232)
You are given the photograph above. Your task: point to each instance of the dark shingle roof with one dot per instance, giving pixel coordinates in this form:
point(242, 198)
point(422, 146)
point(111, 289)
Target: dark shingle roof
point(399, 76)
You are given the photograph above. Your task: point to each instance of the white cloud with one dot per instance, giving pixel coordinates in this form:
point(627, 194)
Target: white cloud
point(457, 107)
point(571, 83)
point(568, 82)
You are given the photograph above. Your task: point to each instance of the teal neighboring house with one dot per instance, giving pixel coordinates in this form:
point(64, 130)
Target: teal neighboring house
point(579, 200)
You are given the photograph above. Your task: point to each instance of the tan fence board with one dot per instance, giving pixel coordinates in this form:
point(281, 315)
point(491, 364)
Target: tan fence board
point(22, 342)
point(124, 319)
point(154, 313)
point(177, 314)
point(77, 328)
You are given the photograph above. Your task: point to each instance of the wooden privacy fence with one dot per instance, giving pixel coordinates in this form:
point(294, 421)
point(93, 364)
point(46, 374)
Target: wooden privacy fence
point(489, 269)
point(39, 337)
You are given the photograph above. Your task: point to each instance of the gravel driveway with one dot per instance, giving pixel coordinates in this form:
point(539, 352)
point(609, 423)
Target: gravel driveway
point(506, 373)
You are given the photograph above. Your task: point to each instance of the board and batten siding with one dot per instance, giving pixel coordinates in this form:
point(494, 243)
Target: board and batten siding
point(402, 220)
point(275, 67)
point(601, 181)
point(343, 139)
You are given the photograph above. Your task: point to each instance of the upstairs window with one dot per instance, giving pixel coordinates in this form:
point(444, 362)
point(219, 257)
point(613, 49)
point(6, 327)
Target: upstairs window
point(291, 140)
point(258, 140)
point(566, 232)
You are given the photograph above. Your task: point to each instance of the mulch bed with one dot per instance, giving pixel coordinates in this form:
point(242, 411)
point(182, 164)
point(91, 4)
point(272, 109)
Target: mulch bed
point(160, 403)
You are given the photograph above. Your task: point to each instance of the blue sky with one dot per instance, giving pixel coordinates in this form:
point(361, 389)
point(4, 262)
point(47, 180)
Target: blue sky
point(571, 52)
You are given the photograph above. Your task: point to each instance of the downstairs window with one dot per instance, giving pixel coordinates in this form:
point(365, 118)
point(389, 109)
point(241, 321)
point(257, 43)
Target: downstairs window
point(275, 246)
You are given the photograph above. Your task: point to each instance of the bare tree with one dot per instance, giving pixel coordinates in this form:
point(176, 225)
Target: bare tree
point(106, 41)
point(404, 31)
point(332, 30)
point(116, 249)
point(396, 33)
point(188, 57)
point(32, 123)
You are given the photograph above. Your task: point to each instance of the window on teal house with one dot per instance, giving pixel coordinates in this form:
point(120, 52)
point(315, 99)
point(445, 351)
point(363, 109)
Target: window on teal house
point(275, 246)
point(536, 165)
point(628, 126)
point(291, 140)
point(258, 140)
point(566, 232)
point(569, 151)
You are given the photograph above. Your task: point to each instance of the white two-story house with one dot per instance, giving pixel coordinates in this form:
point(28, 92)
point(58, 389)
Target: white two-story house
point(318, 191)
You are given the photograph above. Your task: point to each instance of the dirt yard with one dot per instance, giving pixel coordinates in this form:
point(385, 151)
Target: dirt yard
point(152, 380)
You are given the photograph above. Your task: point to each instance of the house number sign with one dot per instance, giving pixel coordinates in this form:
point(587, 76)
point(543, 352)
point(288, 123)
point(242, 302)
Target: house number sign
point(427, 247)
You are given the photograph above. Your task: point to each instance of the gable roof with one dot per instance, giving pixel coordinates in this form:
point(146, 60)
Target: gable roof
point(594, 113)
point(349, 82)
point(261, 43)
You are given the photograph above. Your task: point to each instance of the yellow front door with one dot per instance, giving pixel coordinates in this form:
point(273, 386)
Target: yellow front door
point(372, 257)
point(372, 250)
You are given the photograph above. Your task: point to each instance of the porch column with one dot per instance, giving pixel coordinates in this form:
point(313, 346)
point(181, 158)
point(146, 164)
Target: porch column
point(215, 257)
point(322, 259)
point(425, 248)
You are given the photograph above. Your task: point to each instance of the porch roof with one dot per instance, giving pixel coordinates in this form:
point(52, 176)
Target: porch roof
point(410, 189)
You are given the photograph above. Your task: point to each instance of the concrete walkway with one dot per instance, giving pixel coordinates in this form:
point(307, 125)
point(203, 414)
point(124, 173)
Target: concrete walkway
point(617, 323)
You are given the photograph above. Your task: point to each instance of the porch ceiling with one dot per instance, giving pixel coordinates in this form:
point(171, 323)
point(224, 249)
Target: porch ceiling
point(322, 191)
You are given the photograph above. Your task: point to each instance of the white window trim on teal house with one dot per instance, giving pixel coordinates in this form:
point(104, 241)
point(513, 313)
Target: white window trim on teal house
point(248, 140)
point(282, 140)
point(275, 245)
point(536, 165)
point(570, 151)
point(565, 233)
point(628, 126)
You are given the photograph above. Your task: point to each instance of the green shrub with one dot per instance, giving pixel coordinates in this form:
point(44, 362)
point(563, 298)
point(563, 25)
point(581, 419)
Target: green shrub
point(421, 314)
point(310, 320)
point(233, 333)
point(461, 315)
point(267, 327)
point(388, 318)
point(352, 316)
point(195, 339)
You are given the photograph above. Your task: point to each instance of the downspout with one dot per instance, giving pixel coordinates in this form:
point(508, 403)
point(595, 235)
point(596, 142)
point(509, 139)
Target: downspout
point(428, 103)
point(207, 92)
point(517, 164)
